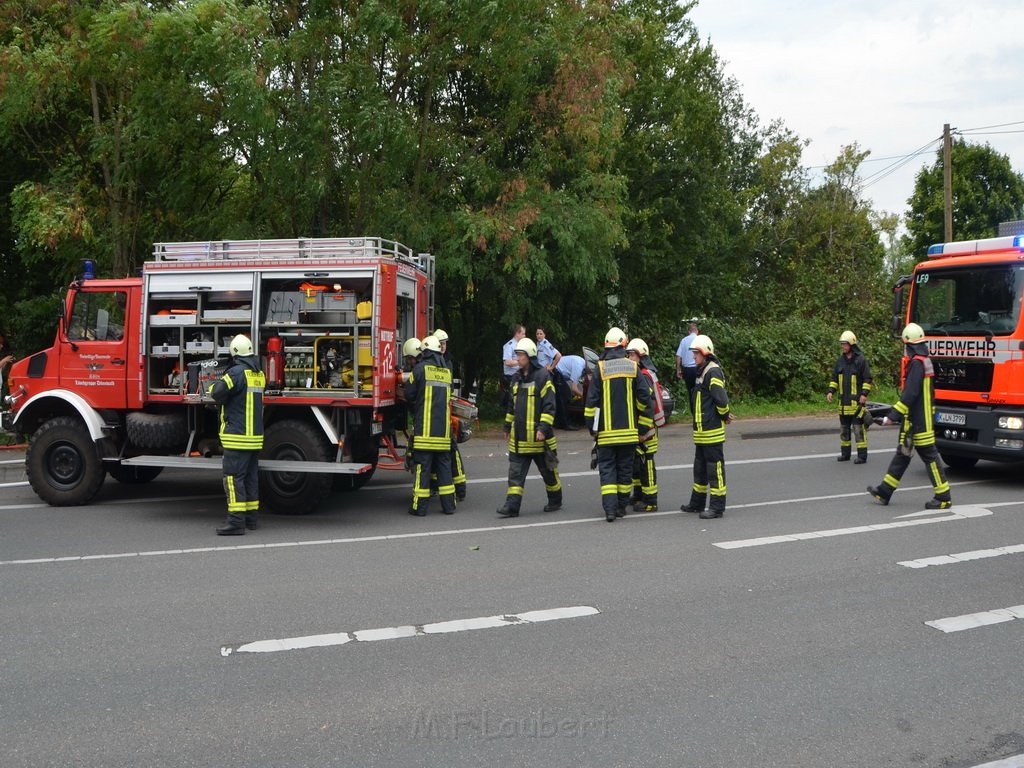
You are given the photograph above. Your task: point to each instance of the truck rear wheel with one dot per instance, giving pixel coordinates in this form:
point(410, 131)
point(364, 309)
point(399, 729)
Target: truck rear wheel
point(63, 463)
point(133, 475)
point(364, 451)
point(293, 493)
point(961, 463)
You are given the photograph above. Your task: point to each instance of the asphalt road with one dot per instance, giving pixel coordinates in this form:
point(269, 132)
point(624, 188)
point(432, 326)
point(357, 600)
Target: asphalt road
point(130, 632)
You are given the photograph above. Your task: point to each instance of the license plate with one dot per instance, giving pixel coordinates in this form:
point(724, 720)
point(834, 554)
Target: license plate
point(959, 419)
point(376, 428)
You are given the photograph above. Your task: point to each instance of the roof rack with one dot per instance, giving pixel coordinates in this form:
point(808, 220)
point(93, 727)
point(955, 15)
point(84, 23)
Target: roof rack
point(298, 248)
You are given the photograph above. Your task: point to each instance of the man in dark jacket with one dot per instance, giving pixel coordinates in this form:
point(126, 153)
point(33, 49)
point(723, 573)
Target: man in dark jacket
point(239, 392)
point(428, 392)
point(529, 431)
point(617, 413)
point(851, 378)
point(915, 412)
point(710, 406)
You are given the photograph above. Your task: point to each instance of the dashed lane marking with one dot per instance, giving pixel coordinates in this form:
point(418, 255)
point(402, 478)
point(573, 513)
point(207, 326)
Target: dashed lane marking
point(419, 630)
point(1017, 761)
point(975, 620)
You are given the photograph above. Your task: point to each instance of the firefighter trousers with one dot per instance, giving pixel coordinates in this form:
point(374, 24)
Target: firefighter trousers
point(518, 467)
point(645, 477)
point(708, 476)
point(930, 456)
point(849, 427)
point(615, 467)
point(426, 463)
point(242, 481)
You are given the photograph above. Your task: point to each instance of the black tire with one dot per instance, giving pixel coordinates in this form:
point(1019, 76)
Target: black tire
point(364, 451)
point(960, 463)
point(156, 430)
point(293, 493)
point(133, 475)
point(63, 463)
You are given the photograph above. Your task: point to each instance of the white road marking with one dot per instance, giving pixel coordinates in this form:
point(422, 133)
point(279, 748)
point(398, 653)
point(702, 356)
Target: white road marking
point(974, 620)
point(958, 513)
point(963, 557)
point(392, 633)
point(145, 500)
point(512, 527)
point(14, 485)
point(1017, 761)
point(12, 461)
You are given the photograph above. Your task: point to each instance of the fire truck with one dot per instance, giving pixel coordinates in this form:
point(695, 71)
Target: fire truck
point(967, 298)
point(124, 388)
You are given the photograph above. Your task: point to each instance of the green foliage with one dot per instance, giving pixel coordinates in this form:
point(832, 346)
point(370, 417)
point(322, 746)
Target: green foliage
point(986, 191)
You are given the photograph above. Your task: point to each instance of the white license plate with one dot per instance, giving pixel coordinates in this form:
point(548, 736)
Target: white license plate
point(951, 418)
point(376, 428)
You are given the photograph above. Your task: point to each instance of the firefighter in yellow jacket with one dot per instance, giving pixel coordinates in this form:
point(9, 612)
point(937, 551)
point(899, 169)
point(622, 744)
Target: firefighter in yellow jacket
point(617, 413)
point(239, 392)
point(710, 407)
point(851, 380)
point(529, 428)
point(645, 474)
point(428, 392)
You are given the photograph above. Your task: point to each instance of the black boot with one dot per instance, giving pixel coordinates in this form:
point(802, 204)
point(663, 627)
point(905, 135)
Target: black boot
point(711, 514)
point(690, 509)
point(862, 458)
point(252, 521)
point(938, 503)
point(234, 525)
point(879, 495)
point(507, 511)
point(552, 505)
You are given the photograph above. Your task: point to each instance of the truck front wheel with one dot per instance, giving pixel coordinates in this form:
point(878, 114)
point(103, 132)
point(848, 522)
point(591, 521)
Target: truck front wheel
point(293, 493)
point(63, 464)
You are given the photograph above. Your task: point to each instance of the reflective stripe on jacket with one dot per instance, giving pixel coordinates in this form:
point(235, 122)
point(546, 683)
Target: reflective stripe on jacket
point(531, 409)
point(428, 390)
point(851, 378)
point(239, 392)
point(710, 404)
point(620, 400)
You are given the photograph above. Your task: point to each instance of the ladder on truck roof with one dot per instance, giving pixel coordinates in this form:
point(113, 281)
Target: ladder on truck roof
point(297, 248)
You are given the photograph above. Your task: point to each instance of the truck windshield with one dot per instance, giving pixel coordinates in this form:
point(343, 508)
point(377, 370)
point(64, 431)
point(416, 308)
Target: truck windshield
point(972, 301)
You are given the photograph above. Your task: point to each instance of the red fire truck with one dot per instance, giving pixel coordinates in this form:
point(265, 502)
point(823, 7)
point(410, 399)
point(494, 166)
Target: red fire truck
point(123, 389)
point(967, 298)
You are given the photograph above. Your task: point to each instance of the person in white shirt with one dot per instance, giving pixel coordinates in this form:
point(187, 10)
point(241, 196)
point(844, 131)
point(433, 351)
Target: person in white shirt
point(510, 361)
point(547, 355)
point(686, 366)
point(569, 377)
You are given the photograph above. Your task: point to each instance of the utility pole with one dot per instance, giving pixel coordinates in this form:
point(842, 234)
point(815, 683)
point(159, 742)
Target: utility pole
point(947, 180)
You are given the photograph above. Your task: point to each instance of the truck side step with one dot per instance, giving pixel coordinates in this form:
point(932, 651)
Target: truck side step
point(267, 465)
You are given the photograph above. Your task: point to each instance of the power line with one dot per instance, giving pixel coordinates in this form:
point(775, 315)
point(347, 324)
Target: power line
point(892, 168)
point(986, 133)
point(1001, 125)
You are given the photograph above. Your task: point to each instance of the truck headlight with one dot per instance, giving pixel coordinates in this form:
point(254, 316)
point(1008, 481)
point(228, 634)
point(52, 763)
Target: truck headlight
point(1011, 422)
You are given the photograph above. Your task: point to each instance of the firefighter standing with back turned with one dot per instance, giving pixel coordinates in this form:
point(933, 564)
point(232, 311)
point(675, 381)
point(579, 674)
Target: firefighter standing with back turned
point(239, 393)
point(710, 405)
point(530, 431)
point(851, 378)
point(916, 412)
point(617, 413)
point(458, 469)
point(645, 474)
point(428, 392)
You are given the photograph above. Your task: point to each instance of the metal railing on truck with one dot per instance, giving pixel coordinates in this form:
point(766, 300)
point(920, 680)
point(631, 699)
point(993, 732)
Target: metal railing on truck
point(292, 249)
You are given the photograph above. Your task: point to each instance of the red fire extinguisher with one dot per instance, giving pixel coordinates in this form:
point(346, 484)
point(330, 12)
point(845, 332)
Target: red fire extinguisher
point(275, 362)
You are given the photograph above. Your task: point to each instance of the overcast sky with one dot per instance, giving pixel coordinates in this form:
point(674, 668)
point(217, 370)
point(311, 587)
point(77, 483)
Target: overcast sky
point(885, 74)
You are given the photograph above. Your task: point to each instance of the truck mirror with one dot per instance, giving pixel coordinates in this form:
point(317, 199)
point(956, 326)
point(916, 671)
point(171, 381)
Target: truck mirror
point(897, 304)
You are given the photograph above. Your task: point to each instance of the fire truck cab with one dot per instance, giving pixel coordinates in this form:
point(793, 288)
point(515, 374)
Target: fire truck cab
point(967, 297)
point(124, 388)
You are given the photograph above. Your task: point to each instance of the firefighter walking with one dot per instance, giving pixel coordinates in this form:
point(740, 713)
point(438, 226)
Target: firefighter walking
point(710, 406)
point(915, 412)
point(617, 408)
point(851, 379)
point(645, 474)
point(529, 428)
point(239, 393)
point(428, 392)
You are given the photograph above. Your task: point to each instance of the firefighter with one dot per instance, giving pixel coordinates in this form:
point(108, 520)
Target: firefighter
point(428, 392)
point(458, 470)
point(529, 428)
point(851, 378)
point(645, 474)
point(915, 411)
point(618, 403)
point(239, 393)
point(710, 408)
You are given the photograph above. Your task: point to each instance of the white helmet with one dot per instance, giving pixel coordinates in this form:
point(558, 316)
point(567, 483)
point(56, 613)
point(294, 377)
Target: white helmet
point(848, 337)
point(615, 337)
point(432, 343)
point(412, 347)
point(912, 334)
point(440, 334)
point(241, 346)
point(639, 346)
point(526, 345)
point(703, 344)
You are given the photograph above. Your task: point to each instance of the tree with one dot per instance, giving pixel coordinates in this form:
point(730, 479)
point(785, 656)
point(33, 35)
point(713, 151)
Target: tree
point(986, 191)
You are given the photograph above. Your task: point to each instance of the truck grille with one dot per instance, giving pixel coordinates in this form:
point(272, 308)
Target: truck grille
point(963, 375)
